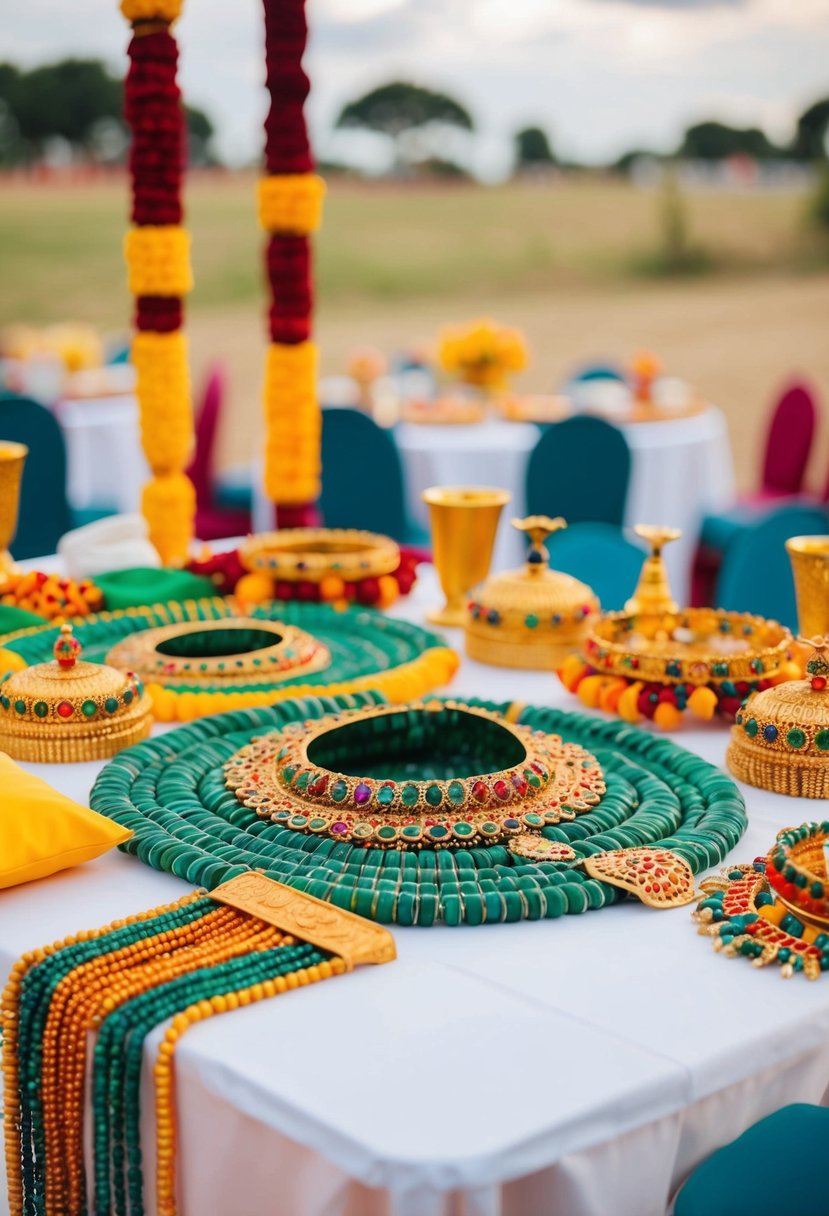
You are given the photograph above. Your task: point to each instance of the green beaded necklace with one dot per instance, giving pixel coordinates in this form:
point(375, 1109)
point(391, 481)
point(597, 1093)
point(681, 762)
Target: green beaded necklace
point(171, 792)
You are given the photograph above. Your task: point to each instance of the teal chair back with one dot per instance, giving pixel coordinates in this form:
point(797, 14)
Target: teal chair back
point(756, 575)
point(580, 468)
point(601, 556)
point(44, 510)
point(362, 477)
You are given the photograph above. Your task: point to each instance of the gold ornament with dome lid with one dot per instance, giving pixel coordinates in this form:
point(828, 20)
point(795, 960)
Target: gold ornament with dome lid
point(69, 710)
point(533, 617)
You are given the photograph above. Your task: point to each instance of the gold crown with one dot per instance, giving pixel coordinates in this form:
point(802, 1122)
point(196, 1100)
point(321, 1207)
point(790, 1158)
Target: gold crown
point(533, 617)
point(68, 710)
point(781, 738)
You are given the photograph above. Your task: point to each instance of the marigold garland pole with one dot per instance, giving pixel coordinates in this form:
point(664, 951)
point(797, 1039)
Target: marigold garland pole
point(290, 205)
point(157, 251)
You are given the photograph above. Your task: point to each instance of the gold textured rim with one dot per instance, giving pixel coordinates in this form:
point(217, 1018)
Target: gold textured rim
point(604, 650)
point(293, 652)
point(300, 554)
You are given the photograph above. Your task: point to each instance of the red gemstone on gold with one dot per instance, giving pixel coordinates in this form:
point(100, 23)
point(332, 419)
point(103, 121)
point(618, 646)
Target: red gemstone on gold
point(66, 709)
point(480, 791)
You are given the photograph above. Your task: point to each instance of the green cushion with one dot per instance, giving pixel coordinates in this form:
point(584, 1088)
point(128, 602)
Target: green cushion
point(12, 618)
point(773, 1169)
point(145, 585)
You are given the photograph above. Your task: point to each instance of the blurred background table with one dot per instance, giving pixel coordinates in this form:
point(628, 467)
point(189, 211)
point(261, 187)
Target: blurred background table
point(105, 464)
point(680, 471)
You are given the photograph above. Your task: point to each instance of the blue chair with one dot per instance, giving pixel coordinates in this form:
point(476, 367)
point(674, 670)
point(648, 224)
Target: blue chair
point(756, 575)
point(601, 556)
point(362, 478)
point(579, 468)
point(758, 1175)
point(597, 371)
point(44, 509)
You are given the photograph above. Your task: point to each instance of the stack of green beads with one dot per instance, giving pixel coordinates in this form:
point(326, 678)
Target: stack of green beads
point(171, 792)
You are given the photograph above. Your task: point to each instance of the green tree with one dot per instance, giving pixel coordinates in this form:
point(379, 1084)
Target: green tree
point(405, 113)
point(810, 141)
point(716, 141)
point(532, 148)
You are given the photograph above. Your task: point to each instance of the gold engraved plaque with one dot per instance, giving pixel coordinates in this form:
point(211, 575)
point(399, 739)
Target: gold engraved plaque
point(353, 938)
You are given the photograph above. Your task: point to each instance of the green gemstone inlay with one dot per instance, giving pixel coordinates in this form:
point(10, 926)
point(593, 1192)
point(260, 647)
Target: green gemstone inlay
point(385, 795)
point(434, 794)
point(301, 780)
point(455, 793)
point(41, 709)
point(462, 829)
point(386, 832)
point(796, 737)
point(111, 705)
point(20, 706)
point(339, 790)
point(89, 709)
point(531, 620)
point(822, 740)
point(751, 728)
point(409, 795)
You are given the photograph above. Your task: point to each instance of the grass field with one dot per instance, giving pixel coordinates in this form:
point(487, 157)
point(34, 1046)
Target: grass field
point(573, 264)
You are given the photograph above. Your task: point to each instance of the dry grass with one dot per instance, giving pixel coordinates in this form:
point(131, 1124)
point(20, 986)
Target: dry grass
point(395, 263)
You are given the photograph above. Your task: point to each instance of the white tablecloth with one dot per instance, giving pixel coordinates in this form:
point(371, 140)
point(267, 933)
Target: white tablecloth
point(105, 463)
point(679, 472)
point(571, 1068)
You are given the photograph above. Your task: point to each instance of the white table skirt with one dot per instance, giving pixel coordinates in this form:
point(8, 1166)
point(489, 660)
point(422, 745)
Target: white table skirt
point(575, 1068)
point(680, 471)
point(105, 463)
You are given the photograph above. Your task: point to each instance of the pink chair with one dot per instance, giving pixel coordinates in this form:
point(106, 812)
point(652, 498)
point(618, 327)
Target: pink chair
point(788, 443)
point(212, 521)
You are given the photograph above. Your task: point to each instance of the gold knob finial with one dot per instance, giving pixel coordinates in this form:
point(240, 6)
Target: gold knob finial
point(67, 648)
point(653, 591)
point(537, 528)
point(817, 665)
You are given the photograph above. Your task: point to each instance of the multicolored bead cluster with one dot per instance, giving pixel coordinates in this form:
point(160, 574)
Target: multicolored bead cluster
point(187, 962)
point(492, 616)
point(171, 792)
point(740, 913)
point(281, 777)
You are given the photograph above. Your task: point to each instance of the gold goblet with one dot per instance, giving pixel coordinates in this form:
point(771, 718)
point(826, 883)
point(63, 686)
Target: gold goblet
point(809, 556)
point(12, 459)
point(464, 521)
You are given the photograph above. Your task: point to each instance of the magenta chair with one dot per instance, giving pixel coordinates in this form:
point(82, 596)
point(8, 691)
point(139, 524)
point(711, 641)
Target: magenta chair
point(212, 521)
point(788, 444)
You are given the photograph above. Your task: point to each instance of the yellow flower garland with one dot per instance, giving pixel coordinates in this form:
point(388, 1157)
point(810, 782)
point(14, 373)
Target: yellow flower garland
point(168, 503)
point(163, 390)
point(292, 422)
point(291, 202)
point(151, 10)
point(158, 260)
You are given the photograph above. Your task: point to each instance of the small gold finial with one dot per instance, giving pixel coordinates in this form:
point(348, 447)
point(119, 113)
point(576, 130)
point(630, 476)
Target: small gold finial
point(537, 528)
point(817, 665)
point(67, 648)
point(653, 591)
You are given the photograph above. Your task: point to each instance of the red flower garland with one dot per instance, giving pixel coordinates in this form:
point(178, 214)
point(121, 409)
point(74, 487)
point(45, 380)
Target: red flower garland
point(288, 151)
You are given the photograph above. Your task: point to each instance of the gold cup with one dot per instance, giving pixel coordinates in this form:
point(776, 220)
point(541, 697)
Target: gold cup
point(809, 556)
point(12, 458)
point(464, 521)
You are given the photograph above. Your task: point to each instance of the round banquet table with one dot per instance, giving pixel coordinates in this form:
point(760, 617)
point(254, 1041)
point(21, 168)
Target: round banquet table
point(681, 470)
point(578, 1067)
point(105, 466)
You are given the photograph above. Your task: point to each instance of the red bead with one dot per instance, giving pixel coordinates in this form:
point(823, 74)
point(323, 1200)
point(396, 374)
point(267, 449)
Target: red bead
point(66, 709)
point(501, 790)
point(480, 791)
point(818, 683)
point(519, 783)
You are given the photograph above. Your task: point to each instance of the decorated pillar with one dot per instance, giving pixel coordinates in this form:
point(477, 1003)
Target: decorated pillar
point(290, 206)
point(157, 251)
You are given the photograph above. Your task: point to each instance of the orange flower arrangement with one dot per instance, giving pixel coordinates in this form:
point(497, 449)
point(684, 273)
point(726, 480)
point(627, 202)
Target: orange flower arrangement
point(483, 353)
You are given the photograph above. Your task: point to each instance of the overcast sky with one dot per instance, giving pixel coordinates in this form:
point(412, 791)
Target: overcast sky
point(602, 75)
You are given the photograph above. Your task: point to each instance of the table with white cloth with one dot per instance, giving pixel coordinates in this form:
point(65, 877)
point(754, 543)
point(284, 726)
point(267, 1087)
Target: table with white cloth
point(577, 1067)
point(106, 467)
point(680, 471)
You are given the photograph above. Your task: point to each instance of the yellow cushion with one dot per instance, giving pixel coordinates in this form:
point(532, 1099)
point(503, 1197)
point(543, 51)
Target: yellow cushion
point(42, 831)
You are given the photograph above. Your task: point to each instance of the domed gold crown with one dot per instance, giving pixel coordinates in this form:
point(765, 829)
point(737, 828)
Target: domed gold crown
point(533, 617)
point(68, 709)
point(781, 738)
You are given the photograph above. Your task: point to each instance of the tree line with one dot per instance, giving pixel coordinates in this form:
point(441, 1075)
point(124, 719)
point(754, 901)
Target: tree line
point(81, 101)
